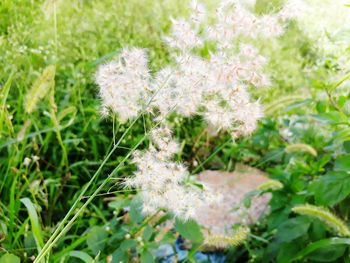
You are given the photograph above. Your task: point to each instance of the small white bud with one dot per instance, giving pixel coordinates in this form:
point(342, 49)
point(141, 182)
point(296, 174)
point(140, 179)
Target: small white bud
point(27, 161)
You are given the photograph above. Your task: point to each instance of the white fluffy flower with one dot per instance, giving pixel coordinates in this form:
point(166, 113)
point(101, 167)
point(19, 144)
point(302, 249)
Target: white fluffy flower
point(124, 83)
point(182, 91)
point(161, 181)
point(199, 13)
point(214, 88)
point(183, 36)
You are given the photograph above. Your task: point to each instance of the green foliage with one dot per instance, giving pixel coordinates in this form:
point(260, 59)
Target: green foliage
point(331, 188)
point(49, 51)
point(9, 258)
point(325, 216)
point(190, 230)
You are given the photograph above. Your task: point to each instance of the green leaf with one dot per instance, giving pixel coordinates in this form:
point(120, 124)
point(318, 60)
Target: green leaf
point(190, 230)
point(287, 251)
point(9, 258)
point(331, 188)
point(346, 146)
point(135, 210)
point(342, 163)
point(81, 255)
point(321, 106)
point(292, 229)
point(332, 117)
point(146, 257)
point(30, 243)
point(97, 239)
point(34, 221)
point(127, 244)
point(119, 256)
point(320, 245)
point(298, 104)
point(317, 230)
point(147, 233)
point(327, 254)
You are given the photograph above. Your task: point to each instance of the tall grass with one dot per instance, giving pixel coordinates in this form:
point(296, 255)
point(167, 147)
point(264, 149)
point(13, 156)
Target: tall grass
point(75, 36)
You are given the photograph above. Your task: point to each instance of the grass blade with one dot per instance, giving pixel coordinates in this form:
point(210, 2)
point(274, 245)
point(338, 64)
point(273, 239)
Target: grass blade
point(34, 220)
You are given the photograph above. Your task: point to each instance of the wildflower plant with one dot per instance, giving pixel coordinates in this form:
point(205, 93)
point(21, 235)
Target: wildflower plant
point(182, 82)
point(213, 87)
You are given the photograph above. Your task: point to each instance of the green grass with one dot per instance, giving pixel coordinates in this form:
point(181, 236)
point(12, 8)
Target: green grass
point(70, 202)
point(64, 128)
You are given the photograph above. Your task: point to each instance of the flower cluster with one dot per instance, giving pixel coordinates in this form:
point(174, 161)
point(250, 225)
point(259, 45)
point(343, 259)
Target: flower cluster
point(161, 181)
point(233, 20)
point(123, 83)
point(215, 88)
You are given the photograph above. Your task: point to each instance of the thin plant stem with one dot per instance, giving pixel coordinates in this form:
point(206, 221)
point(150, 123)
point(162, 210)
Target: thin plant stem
point(58, 232)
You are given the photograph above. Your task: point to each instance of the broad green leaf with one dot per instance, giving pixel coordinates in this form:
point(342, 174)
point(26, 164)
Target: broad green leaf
point(327, 254)
point(135, 210)
point(321, 106)
point(346, 146)
point(119, 256)
point(34, 221)
point(146, 257)
point(342, 163)
point(321, 244)
point(81, 255)
point(317, 230)
point(292, 229)
point(287, 251)
point(190, 230)
point(332, 117)
point(9, 258)
point(331, 188)
point(147, 233)
point(127, 244)
point(30, 244)
point(97, 239)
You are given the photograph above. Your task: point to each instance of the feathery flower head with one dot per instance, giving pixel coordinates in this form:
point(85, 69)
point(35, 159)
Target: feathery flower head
point(214, 88)
point(161, 181)
point(183, 36)
point(124, 83)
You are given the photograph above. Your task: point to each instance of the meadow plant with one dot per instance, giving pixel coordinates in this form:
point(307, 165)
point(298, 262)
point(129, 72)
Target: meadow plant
point(213, 87)
point(207, 72)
